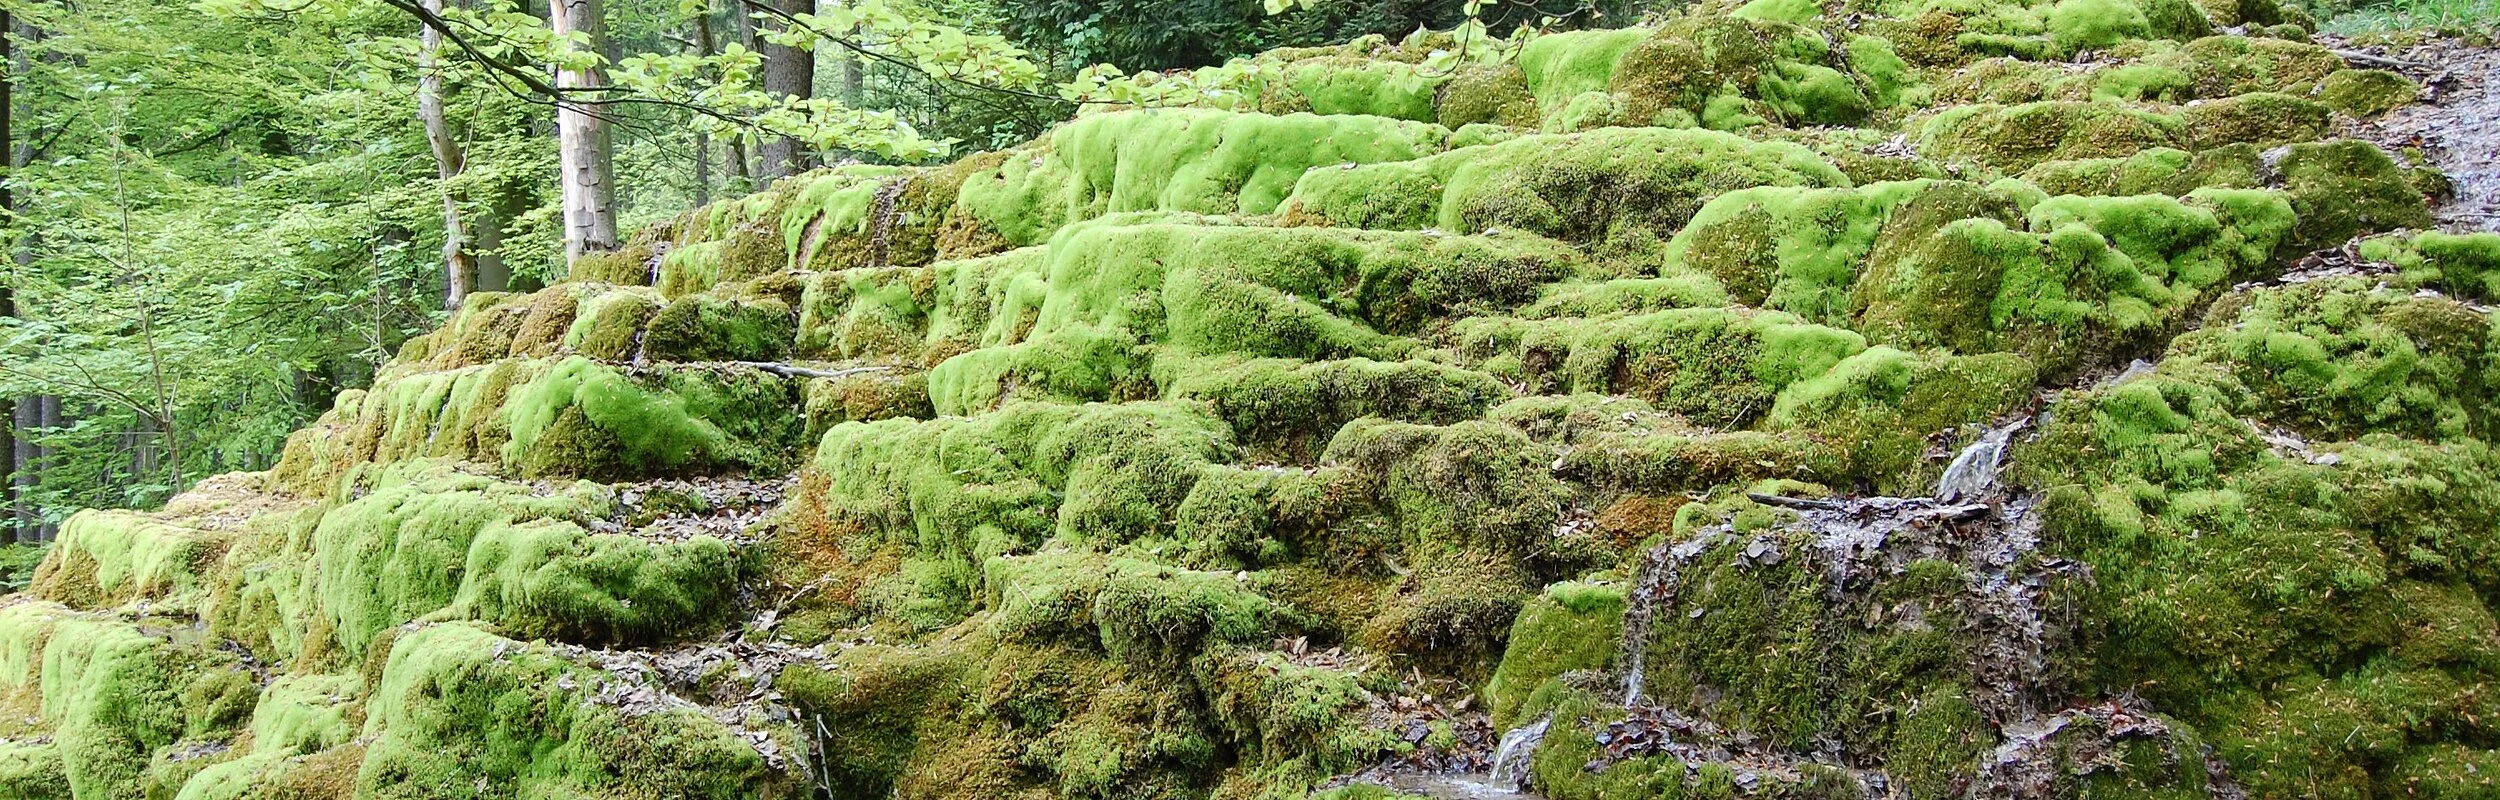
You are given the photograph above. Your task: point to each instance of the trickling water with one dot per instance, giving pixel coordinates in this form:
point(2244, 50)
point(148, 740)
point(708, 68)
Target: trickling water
point(1655, 586)
point(1510, 761)
point(1974, 471)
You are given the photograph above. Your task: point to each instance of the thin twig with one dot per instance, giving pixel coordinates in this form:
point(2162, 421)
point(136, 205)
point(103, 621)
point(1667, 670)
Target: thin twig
point(789, 371)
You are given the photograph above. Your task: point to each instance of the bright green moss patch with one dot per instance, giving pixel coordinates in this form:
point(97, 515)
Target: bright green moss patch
point(1719, 367)
point(33, 771)
point(549, 578)
point(2367, 92)
point(1799, 250)
point(1342, 85)
point(1294, 407)
point(2160, 170)
point(458, 708)
point(1133, 610)
point(1200, 161)
point(1571, 626)
point(107, 558)
point(2197, 528)
point(2466, 265)
point(1885, 404)
point(119, 697)
point(1566, 65)
point(1622, 184)
point(876, 313)
point(2334, 358)
point(2347, 187)
point(403, 551)
point(2091, 277)
point(1279, 292)
point(704, 328)
point(956, 492)
point(2015, 138)
point(2263, 119)
point(584, 419)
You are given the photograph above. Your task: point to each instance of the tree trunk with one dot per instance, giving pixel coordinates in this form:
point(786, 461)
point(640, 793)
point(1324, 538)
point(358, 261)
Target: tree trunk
point(48, 417)
point(582, 136)
point(788, 72)
point(460, 271)
point(8, 296)
point(25, 415)
point(703, 141)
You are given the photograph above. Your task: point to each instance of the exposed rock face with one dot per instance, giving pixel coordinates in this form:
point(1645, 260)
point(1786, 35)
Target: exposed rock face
point(1306, 443)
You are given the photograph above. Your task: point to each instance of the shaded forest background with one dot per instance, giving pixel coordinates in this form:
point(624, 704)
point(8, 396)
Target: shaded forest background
point(220, 214)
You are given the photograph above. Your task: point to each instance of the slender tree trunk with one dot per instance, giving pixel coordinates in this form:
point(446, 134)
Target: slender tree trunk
point(48, 417)
point(26, 415)
point(788, 72)
point(493, 273)
point(582, 134)
point(702, 140)
point(460, 271)
point(8, 296)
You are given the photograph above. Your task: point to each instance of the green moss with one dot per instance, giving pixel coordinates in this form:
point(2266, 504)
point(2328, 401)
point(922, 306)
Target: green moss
point(2335, 359)
point(118, 698)
point(1176, 160)
point(2092, 276)
point(107, 558)
point(2263, 119)
point(1293, 407)
point(1457, 491)
point(1279, 292)
point(1718, 367)
point(297, 716)
point(549, 578)
point(1487, 94)
point(2160, 170)
point(956, 492)
point(2466, 265)
point(2078, 25)
point(403, 551)
point(2224, 66)
point(1793, 249)
point(462, 713)
point(583, 419)
point(1335, 85)
point(1152, 616)
point(1566, 65)
point(620, 267)
point(1885, 403)
point(2367, 92)
point(1293, 718)
point(1571, 626)
point(2015, 138)
point(1622, 184)
point(704, 328)
point(2347, 187)
point(871, 313)
point(33, 771)
point(608, 324)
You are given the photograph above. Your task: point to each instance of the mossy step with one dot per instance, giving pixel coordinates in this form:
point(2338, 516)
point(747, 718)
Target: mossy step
point(427, 542)
point(110, 558)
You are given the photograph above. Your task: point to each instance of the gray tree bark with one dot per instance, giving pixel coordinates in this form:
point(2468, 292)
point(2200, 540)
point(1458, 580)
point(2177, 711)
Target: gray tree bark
point(788, 72)
point(587, 158)
point(460, 271)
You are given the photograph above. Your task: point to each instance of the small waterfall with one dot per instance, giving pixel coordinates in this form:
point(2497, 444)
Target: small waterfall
point(1511, 760)
point(1654, 587)
point(1973, 473)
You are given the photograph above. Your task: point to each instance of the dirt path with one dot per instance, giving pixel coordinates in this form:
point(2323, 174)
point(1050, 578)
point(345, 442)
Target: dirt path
point(2457, 124)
